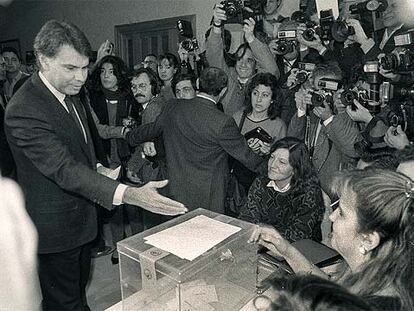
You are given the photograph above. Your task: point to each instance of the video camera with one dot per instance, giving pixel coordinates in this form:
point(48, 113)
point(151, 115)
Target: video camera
point(185, 29)
point(239, 10)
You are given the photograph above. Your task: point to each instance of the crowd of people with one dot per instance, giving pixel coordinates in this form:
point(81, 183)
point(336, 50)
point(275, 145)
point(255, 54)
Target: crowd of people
point(302, 120)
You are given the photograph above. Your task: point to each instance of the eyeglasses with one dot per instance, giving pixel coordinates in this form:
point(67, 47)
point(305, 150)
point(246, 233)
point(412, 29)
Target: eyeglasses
point(141, 86)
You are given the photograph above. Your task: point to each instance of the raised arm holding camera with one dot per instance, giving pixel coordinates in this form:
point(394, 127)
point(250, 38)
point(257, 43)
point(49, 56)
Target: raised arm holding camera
point(250, 57)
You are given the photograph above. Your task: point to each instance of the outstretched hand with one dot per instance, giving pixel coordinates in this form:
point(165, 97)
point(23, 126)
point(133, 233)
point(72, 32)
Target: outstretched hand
point(149, 199)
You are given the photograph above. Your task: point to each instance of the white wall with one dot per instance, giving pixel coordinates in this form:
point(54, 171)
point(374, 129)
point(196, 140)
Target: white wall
point(97, 18)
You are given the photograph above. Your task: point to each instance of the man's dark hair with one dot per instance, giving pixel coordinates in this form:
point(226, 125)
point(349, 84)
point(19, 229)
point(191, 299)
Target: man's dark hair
point(54, 34)
point(11, 50)
point(183, 77)
point(154, 80)
point(212, 81)
point(120, 72)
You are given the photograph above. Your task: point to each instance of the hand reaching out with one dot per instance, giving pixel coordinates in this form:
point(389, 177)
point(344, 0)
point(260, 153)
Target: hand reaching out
point(149, 199)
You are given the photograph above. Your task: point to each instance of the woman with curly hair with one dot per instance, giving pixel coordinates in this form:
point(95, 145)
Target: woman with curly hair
point(289, 198)
point(259, 122)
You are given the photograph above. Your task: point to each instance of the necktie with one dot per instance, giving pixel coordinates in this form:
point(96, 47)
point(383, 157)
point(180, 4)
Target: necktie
point(75, 116)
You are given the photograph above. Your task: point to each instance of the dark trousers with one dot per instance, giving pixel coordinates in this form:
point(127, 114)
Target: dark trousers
point(63, 277)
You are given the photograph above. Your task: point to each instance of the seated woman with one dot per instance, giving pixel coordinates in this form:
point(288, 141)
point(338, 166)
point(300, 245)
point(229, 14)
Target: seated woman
point(373, 231)
point(260, 122)
point(289, 198)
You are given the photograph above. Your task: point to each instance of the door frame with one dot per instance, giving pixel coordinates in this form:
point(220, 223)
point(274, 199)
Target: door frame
point(123, 32)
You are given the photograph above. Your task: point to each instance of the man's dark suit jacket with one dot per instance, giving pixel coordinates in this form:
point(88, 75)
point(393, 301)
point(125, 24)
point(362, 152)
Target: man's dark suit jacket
point(55, 168)
point(198, 138)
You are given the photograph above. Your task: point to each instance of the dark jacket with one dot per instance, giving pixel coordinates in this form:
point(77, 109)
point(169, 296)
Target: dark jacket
point(198, 139)
point(56, 167)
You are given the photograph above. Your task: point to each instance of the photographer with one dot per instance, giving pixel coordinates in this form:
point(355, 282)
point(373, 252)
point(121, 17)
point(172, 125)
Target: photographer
point(291, 54)
point(250, 56)
point(394, 25)
point(330, 137)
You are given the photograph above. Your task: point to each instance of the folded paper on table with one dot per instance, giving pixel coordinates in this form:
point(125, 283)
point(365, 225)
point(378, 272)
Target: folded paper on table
point(193, 237)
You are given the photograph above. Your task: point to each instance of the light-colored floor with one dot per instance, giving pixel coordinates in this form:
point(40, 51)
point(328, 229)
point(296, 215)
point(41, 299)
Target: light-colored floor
point(104, 289)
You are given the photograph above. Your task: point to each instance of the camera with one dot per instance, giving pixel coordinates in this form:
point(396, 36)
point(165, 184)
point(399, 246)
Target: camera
point(286, 42)
point(129, 122)
point(186, 30)
point(325, 93)
point(400, 113)
point(319, 98)
point(190, 44)
point(311, 30)
point(399, 60)
point(349, 95)
point(340, 31)
point(232, 7)
point(236, 11)
point(325, 22)
point(305, 69)
point(389, 92)
point(259, 133)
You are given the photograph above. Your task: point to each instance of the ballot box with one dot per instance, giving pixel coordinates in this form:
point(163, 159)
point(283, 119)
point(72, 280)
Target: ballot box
point(198, 261)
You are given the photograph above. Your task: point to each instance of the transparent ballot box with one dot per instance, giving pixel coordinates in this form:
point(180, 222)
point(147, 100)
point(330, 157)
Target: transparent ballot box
point(223, 277)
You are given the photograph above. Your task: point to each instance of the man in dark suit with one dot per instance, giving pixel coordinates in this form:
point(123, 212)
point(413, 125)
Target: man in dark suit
point(51, 135)
point(198, 138)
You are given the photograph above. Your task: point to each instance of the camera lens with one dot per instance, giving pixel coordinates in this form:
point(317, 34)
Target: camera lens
point(389, 62)
point(347, 97)
point(309, 34)
point(301, 77)
point(317, 99)
point(187, 45)
point(231, 9)
point(341, 31)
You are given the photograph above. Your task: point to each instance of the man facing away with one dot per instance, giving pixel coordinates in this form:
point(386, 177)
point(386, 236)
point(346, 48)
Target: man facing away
point(51, 134)
point(198, 139)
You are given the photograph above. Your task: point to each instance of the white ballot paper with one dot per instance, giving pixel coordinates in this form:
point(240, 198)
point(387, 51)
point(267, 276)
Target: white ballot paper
point(193, 237)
